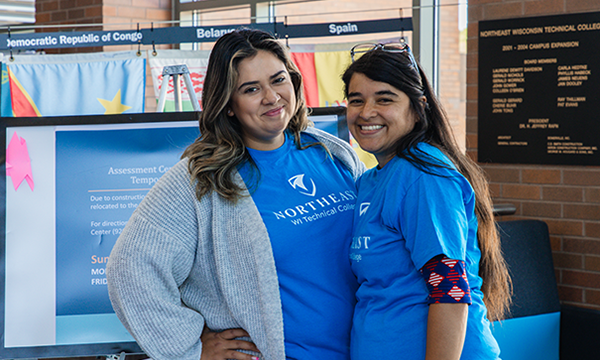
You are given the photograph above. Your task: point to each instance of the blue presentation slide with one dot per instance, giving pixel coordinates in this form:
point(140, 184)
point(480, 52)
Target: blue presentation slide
point(101, 177)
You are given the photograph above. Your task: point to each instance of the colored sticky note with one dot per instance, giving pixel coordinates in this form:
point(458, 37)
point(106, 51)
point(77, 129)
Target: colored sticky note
point(18, 163)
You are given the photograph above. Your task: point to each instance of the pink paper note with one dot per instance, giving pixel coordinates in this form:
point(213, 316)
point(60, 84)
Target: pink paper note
point(18, 163)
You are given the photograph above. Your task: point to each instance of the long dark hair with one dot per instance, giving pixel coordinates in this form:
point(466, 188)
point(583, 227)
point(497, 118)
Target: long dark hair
point(432, 126)
point(220, 149)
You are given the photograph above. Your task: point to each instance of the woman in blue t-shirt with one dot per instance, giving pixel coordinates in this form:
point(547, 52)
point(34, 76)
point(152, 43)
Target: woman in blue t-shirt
point(424, 248)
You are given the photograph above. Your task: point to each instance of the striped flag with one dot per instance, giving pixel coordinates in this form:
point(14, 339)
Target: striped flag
point(322, 74)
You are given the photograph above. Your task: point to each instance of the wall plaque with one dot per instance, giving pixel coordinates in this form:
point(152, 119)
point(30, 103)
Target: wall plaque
point(539, 90)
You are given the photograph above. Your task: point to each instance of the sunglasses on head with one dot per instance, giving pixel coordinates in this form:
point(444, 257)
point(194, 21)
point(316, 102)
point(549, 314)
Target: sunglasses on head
point(397, 47)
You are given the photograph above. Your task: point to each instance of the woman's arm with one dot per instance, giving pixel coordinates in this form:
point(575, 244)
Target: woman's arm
point(446, 329)
point(144, 272)
point(449, 298)
point(225, 345)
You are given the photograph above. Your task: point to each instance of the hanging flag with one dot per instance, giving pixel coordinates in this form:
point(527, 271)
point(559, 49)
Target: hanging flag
point(322, 75)
point(196, 61)
point(329, 67)
point(21, 103)
point(323, 86)
point(80, 84)
point(5, 102)
point(306, 64)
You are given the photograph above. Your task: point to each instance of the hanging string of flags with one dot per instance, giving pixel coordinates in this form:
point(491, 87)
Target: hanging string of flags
point(191, 34)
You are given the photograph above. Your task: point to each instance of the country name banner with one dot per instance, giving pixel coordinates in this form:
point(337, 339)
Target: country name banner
point(183, 34)
point(347, 28)
point(69, 39)
point(177, 34)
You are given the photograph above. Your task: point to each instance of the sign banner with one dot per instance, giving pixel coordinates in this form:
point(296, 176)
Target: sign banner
point(198, 34)
point(183, 34)
point(347, 28)
point(80, 84)
point(68, 39)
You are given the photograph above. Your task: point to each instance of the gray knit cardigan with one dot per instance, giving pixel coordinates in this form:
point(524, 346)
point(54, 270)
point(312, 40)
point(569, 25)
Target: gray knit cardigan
point(181, 263)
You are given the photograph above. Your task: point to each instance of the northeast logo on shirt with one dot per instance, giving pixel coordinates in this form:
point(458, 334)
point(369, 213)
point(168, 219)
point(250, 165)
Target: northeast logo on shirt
point(316, 207)
point(363, 208)
point(297, 182)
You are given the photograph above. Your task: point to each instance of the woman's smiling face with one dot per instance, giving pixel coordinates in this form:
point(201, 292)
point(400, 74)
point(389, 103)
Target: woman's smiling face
point(263, 100)
point(378, 116)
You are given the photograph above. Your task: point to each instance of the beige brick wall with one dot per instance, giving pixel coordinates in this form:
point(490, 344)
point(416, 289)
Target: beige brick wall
point(61, 12)
point(451, 70)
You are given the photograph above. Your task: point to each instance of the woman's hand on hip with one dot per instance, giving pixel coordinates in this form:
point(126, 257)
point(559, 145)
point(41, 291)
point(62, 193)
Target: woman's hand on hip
point(223, 345)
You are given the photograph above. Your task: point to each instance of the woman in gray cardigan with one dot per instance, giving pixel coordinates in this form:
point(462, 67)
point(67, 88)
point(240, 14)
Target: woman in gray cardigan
point(248, 234)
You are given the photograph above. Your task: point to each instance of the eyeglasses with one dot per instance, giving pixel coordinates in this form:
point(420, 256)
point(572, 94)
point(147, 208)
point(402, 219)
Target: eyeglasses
point(398, 47)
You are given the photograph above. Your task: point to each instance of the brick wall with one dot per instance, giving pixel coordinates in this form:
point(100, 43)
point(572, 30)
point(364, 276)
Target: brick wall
point(109, 12)
point(110, 15)
point(451, 69)
point(61, 12)
point(567, 198)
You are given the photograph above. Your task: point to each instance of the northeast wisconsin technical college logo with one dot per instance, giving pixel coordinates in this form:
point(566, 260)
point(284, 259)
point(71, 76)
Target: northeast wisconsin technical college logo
point(297, 182)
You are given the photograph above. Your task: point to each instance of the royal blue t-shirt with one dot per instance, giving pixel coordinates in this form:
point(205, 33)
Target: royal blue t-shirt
point(404, 217)
point(306, 200)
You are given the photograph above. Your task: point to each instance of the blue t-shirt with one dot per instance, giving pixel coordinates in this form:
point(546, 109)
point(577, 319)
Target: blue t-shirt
point(404, 217)
point(307, 200)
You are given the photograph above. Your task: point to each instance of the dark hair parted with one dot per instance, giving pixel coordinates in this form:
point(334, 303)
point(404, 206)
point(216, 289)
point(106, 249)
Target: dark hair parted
point(218, 151)
point(432, 127)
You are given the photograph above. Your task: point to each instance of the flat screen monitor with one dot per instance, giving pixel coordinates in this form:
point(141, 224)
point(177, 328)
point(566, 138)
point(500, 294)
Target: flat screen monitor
point(332, 120)
point(71, 184)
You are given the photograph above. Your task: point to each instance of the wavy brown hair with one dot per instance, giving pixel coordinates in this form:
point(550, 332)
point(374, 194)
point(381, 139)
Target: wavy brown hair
point(218, 151)
point(432, 127)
